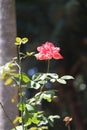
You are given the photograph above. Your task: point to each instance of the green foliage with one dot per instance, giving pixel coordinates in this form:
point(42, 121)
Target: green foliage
point(63, 79)
point(30, 114)
point(22, 76)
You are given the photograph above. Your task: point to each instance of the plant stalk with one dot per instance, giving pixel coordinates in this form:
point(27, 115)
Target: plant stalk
point(7, 116)
point(48, 66)
point(20, 87)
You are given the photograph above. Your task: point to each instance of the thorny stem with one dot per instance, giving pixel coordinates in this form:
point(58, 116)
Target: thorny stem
point(7, 116)
point(20, 87)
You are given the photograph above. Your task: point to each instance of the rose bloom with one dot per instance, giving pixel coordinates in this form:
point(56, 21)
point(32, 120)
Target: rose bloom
point(48, 51)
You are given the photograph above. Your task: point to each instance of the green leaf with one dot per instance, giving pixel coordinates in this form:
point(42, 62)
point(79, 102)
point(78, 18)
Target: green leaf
point(32, 100)
point(22, 77)
point(33, 85)
point(52, 80)
point(29, 107)
point(42, 82)
point(62, 81)
point(39, 128)
point(39, 76)
point(35, 119)
point(33, 128)
point(52, 75)
point(29, 122)
point(8, 81)
point(67, 77)
point(25, 78)
point(24, 40)
point(39, 97)
point(52, 117)
point(43, 77)
point(30, 53)
point(52, 92)
point(36, 76)
point(18, 41)
point(18, 128)
point(43, 121)
point(21, 106)
point(47, 97)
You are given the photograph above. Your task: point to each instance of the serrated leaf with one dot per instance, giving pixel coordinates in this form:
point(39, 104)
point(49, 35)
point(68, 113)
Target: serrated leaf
point(62, 81)
point(67, 77)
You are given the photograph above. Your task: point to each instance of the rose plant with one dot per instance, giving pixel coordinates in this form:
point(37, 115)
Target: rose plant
point(31, 116)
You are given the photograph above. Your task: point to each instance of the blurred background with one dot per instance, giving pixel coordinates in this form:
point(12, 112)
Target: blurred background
point(63, 22)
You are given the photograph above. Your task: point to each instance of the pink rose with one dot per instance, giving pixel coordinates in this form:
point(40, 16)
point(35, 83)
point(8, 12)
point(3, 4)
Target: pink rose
point(48, 51)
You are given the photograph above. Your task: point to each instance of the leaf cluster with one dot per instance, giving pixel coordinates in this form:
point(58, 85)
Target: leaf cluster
point(32, 117)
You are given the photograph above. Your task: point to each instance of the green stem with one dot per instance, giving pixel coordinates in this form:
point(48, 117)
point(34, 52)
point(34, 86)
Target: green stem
point(20, 85)
point(7, 116)
point(48, 66)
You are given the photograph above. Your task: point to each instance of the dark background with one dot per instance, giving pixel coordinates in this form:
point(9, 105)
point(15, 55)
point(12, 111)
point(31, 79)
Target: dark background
point(63, 22)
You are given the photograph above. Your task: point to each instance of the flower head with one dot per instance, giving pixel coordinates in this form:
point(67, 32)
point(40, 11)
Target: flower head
point(48, 51)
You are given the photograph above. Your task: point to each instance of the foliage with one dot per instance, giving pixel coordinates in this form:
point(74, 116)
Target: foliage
point(31, 116)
